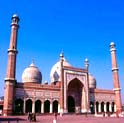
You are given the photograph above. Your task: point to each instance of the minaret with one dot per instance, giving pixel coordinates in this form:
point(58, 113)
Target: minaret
point(117, 89)
point(62, 84)
point(86, 62)
point(11, 69)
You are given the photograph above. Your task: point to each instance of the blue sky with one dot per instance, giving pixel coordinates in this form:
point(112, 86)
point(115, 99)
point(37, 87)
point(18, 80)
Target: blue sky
point(82, 28)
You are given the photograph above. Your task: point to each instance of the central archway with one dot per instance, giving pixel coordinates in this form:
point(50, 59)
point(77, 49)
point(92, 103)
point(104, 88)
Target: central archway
point(71, 104)
point(75, 96)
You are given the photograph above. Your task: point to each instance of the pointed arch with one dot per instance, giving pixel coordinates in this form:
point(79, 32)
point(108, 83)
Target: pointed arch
point(102, 107)
point(71, 77)
point(37, 106)
point(47, 106)
point(113, 107)
point(97, 106)
point(107, 106)
point(55, 106)
point(75, 85)
point(75, 95)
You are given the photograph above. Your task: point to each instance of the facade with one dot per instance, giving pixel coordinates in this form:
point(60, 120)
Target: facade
point(71, 90)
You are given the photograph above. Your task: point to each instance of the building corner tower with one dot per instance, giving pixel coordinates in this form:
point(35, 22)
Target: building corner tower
point(62, 84)
point(117, 89)
point(11, 69)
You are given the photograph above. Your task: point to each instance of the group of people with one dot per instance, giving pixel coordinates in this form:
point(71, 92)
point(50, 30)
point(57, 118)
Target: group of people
point(31, 116)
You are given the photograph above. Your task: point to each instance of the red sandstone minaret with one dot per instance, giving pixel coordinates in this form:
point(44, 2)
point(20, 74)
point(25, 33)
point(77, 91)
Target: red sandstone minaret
point(11, 69)
point(62, 84)
point(115, 78)
point(88, 96)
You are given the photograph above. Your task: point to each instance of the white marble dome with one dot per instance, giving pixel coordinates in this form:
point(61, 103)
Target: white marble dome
point(92, 81)
point(55, 71)
point(32, 74)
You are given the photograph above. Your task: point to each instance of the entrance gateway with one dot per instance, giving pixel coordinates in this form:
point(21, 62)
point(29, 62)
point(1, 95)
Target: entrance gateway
point(76, 91)
point(75, 96)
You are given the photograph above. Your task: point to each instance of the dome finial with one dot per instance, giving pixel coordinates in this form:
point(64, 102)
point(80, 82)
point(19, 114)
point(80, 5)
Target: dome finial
point(32, 64)
point(33, 60)
point(62, 54)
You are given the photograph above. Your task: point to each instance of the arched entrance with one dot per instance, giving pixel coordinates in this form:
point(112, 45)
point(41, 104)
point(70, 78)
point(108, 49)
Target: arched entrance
point(55, 106)
point(28, 105)
point(19, 106)
point(38, 106)
point(71, 104)
point(102, 107)
point(97, 107)
point(107, 106)
point(113, 107)
point(47, 106)
point(74, 93)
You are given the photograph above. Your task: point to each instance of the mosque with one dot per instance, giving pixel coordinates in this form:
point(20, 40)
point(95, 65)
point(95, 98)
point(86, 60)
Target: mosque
point(71, 89)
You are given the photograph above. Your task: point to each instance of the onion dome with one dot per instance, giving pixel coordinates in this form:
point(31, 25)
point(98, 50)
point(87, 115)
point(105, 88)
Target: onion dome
point(92, 81)
point(55, 71)
point(32, 74)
